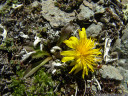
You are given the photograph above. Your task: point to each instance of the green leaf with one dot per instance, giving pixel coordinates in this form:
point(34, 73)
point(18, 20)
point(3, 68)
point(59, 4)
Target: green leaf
point(39, 54)
point(37, 67)
point(31, 66)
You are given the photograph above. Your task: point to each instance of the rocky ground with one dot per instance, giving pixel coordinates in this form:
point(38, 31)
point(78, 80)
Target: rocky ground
point(32, 31)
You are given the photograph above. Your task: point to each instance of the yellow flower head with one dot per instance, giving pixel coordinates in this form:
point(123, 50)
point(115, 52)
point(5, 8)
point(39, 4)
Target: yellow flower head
point(83, 54)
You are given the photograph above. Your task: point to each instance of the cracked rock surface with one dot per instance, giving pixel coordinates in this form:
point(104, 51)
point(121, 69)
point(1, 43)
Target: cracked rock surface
point(110, 72)
point(54, 15)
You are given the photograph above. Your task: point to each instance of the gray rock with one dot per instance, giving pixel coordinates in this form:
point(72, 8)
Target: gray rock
point(123, 63)
point(124, 73)
point(124, 2)
point(1, 6)
point(94, 88)
point(99, 9)
point(93, 30)
point(54, 15)
point(94, 6)
point(124, 43)
point(110, 72)
point(35, 4)
point(101, 2)
point(117, 45)
point(88, 4)
point(85, 13)
point(125, 34)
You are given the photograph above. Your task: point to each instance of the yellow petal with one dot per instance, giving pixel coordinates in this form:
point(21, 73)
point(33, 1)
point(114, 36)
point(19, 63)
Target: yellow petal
point(85, 71)
point(84, 66)
point(95, 52)
point(65, 59)
point(77, 70)
point(74, 68)
point(79, 67)
point(68, 53)
point(72, 63)
point(72, 42)
point(82, 33)
point(91, 67)
point(89, 44)
point(89, 64)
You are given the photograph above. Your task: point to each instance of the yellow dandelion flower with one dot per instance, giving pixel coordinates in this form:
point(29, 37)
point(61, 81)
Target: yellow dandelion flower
point(83, 53)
